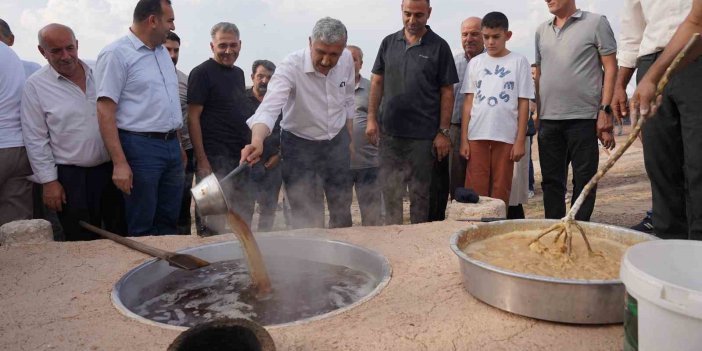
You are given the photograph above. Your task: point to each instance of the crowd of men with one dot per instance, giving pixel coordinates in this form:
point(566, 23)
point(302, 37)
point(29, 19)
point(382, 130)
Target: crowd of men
point(119, 144)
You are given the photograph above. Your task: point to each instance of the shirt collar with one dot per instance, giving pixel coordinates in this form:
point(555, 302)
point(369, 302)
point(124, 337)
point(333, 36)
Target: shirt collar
point(401, 35)
point(578, 14)
point(136, 42)
point(86, 68)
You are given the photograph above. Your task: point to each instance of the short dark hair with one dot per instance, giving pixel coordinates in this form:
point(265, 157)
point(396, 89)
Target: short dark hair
point(172, 36)
point(265, 63)
point(5, 30)
point(534, 65)
point(146, 8)
point(495, 20)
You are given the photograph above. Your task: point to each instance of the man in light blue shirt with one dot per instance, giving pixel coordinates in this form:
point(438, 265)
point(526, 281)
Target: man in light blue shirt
point(139, 115)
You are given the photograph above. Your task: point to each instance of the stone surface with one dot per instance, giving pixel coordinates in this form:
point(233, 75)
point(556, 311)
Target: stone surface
point(56, 296)
point(33, 231)
point(486, 207)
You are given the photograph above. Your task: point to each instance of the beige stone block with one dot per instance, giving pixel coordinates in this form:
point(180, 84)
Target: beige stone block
point(33, 231)
point(486, 207)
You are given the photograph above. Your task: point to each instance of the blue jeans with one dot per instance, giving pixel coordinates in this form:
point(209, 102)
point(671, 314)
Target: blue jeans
point(157, 187)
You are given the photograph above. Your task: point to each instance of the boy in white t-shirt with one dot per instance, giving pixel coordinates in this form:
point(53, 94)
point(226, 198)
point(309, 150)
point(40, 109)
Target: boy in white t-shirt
point(495, 111)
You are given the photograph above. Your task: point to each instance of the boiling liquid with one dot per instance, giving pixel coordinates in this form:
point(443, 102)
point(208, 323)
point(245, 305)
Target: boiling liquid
point(301, 289)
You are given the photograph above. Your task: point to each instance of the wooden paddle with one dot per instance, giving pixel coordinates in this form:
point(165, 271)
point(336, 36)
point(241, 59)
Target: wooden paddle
point(182, 261)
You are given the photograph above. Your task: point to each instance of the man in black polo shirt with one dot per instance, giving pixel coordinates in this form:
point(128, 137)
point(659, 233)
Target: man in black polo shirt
point(217, 113)
point(413, 75)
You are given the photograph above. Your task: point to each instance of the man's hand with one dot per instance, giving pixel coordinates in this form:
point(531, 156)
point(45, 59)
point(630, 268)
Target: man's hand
point(54, 196)
point(272, 161)
point(605, 127)
point(619, 103)
point(372, 131)
point(607, 139)
point(122, 177)
point(442, 145)
point(465, 150)
point(642, 103)
point(252, 153)
point(517, 152)
point(203, 167)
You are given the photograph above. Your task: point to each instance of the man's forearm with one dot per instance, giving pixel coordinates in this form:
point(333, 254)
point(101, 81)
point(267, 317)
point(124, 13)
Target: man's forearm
point(107, 122)
point(610, 76)
point(624, 75)
point(374, 97)
point(259, 132)
point(447, 100)
point(195, 130)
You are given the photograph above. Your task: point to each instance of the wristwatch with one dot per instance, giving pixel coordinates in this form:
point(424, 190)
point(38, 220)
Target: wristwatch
point(445, 132)
point(606, 108)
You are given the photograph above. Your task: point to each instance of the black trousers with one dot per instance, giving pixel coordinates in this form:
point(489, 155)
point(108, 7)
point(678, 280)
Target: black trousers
point(267, 192)
point(561, 142)
point(672, 142)
point(184, 220)
point(315, 169)
point(439, 190)
point(457, 163)
point(367, 187)
point(406, 162)
point(91, 196)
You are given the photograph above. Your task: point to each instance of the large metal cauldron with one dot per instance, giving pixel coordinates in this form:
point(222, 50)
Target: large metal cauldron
point(128, 289)
point(552, 299)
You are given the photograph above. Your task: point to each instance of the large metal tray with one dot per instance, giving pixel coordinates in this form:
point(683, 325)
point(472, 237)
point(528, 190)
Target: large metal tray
point(541, 297)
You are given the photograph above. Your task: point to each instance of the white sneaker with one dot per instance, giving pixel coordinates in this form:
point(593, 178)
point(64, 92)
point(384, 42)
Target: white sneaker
point(531, 193)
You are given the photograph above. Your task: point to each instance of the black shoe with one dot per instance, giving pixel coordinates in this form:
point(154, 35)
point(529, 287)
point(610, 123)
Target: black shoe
point(645, 226)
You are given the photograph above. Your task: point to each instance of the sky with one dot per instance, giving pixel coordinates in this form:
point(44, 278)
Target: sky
point(270, 29)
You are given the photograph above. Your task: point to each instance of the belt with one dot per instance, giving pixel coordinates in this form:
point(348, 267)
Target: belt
point(456, 124)
point(171, 134)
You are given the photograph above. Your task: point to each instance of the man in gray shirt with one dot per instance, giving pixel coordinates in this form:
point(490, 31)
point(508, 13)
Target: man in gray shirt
point(173, 46)
point(472, 43)
point(572, 48)
point(364, 158)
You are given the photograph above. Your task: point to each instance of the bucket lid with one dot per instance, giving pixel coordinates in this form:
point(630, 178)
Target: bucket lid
point(667, 273)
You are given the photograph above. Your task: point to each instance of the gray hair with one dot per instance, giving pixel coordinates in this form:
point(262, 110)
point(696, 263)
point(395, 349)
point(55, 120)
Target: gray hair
point(5, 29)
point(265, 63)
point(226, 27)
point(329, 31)
point(354, 47)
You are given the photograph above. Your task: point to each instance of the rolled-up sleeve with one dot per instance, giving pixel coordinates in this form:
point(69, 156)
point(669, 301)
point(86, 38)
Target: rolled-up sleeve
point(276, 97)
point(110, 76)
point(631, 34)
point(606, 43)
point(35, 132)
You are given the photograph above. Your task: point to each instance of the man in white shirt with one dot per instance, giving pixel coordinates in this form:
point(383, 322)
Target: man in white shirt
point(671, 139)
point(15, 189)
point(315, 89)
point(60, 129)
point(139, 115)
point(8, 38)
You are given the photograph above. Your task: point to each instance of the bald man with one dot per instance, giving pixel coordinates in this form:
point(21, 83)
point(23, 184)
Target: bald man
point(60, 129)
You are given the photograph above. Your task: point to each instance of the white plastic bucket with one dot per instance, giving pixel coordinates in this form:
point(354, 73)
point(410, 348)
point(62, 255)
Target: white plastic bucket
point(665, 279)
